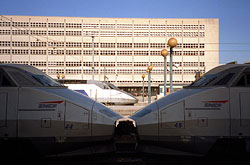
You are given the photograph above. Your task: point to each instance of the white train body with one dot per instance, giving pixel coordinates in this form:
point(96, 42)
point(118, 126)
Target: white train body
point(209, 115)
point(37, 110)
point(102, 92)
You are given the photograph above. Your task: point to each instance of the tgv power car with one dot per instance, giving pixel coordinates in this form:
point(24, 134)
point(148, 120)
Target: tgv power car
point(211, 114)
point(37, 111)
point(103, 92)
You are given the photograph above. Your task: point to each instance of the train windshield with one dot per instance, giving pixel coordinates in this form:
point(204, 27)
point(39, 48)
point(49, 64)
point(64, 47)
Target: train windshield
point(205, 80)
point(27, 76)
point(112, 86)
point(45, 80)
point(220, 76)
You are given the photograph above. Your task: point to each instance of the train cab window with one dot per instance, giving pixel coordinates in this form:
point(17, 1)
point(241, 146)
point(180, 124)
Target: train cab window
point(244, 80)
point(225, 79)
point(241, 81)
point(248, 79)
point(29, 79)
point(5, 81)
point(205, 80)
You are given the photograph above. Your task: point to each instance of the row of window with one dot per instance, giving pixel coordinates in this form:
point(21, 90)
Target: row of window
point(143, 34)
point(102, 26)
point(106, 64)
point(154, 81)
point(96, 52)
point(120, 71)
point(102, 33)
point(97, 45)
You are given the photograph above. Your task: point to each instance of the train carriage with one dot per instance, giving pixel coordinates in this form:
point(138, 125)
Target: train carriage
point(211, 114)
point(37, 110)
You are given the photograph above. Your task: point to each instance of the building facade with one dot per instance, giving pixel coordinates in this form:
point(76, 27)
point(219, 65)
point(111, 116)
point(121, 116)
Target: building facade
point(123, 48)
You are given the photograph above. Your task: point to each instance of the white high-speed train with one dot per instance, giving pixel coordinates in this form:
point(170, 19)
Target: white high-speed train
point(210, 115)
point(40, 113)
point(103, 92)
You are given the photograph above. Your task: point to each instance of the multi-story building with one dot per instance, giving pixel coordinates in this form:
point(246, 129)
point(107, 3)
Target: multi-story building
point(122, 47)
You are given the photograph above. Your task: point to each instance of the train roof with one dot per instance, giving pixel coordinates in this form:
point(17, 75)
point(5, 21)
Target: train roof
point(227, 67)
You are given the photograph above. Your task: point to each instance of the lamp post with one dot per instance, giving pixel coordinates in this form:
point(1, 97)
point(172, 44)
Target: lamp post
point(164, 53)
point(143, 76)
point(58, 76)
point(93, 58)
point(63, 76)
point(172, 42)
point(149, 83)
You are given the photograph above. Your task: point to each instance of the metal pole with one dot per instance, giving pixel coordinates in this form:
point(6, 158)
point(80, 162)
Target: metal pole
point(143, 90)
point(149, 87)
point(165, 75)
point(93, 59)
point(171, 71)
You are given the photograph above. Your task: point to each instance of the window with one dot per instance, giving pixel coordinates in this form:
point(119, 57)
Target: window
point(20, 44)
point(20, 24)
point(124, 63)
point(225, 79)
point(107, 45)
point(124, 26)
point(38, 44)
point(38, 52)
point(38, 32)
point(89, 45)
point(107, 64)
point(20, 52)
point(56, 33)
point(56, 25)
point(73, 25)
point(4, 51)
point(5, 43)
point(107, 26)
point(124, 33)
point(56, 44)
point(124, 53)
point(91, 33)
point(38, 63)
point(73, 63)
point(124, 45)
point(89, 52)
point(38, 24)
point(5, 24)
point(248, 79)
point(244, 80)
point(91, 26)
point(157, 45)
point(20, 32)
point(141, 53)
point(74, 44)
point(73, 33)
point(241, 82)
point(56, 52)
point(4, 80)
point(73, 52)
point(141, 45)
point(4, 32)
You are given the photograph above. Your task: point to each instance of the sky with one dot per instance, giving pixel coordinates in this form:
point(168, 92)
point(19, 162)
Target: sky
point(234, 16)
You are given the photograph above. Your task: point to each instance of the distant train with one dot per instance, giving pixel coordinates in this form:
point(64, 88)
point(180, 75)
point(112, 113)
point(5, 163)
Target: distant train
point(103, 92)
point(40, 113)
point(210, 115)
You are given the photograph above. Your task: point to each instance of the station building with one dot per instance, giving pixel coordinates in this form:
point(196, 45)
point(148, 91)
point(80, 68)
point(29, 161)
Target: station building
point(123, 48)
